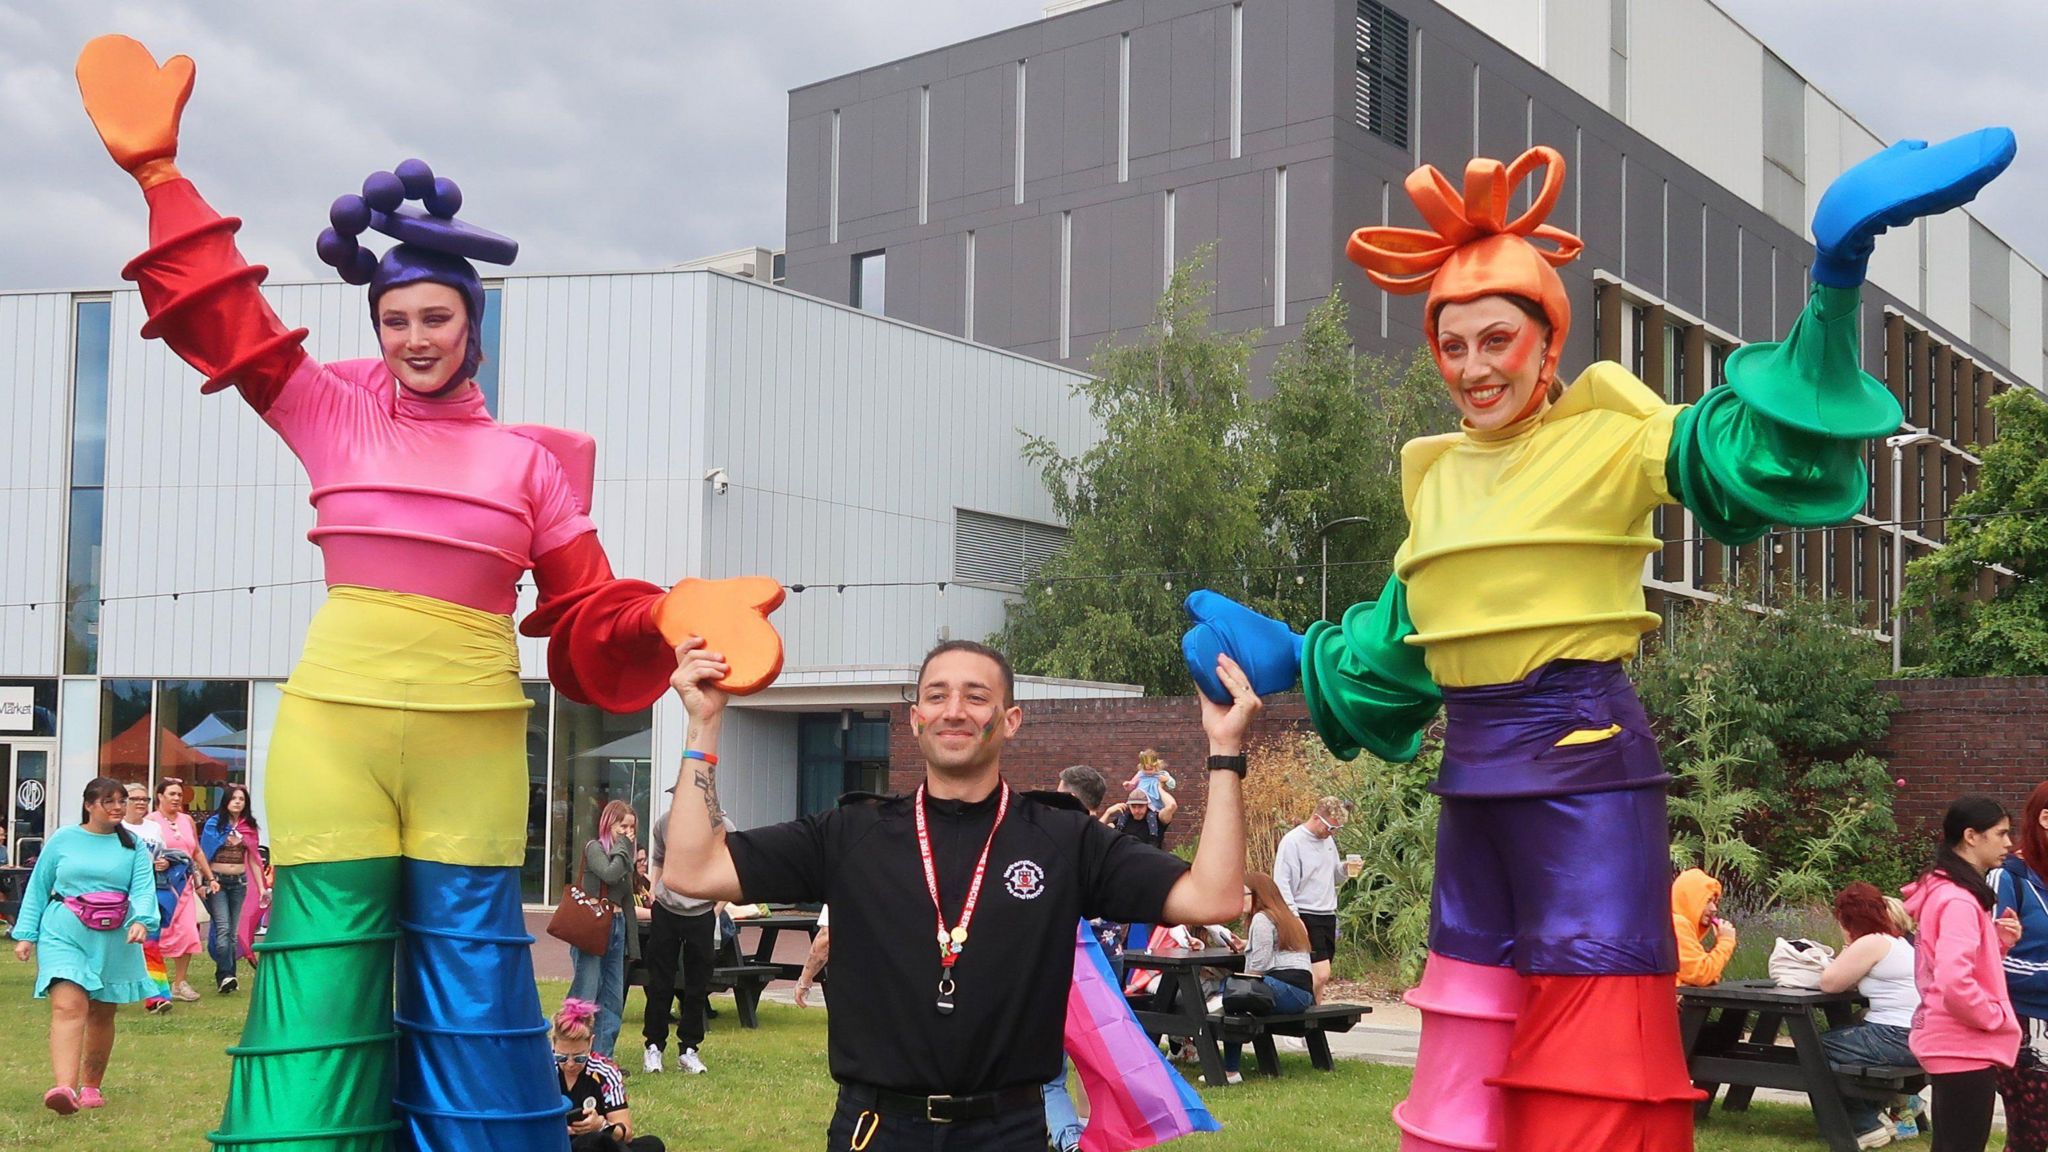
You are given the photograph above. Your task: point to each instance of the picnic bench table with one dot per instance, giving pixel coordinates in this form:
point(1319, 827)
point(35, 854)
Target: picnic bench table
point(1313, 1025)
point(1730, 1032)
point(1178, 1008)
point(748, 974)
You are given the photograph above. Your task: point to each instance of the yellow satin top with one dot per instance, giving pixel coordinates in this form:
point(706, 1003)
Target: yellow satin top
point(1526, 544)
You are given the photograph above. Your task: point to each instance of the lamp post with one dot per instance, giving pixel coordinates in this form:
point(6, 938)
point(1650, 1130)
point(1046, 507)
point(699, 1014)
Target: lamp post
point(1323, 534)
point(1898, 444)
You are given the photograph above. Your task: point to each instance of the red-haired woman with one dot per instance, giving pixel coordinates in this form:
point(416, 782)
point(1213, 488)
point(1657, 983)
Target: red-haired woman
point(1877, 962)
point(2022, 889)
point(608, 873)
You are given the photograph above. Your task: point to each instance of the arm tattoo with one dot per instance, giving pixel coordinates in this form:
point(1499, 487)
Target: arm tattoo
point(707, 781)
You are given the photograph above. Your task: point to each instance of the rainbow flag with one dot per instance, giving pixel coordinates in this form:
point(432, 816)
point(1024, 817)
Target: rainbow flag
point(1135, 1098)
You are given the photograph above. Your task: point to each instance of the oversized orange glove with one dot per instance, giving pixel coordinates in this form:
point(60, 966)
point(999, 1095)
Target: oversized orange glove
point(732, 617)
point(135, 105)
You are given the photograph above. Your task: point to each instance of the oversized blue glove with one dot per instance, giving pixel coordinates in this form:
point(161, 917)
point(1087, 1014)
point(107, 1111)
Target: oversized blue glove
point(1897, 186)
point(1267, 650)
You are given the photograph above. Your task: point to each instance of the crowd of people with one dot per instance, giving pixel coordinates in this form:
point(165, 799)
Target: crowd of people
point(1954, 973)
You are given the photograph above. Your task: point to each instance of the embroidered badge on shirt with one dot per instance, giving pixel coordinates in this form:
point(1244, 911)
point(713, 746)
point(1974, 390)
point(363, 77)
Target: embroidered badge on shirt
point(1024, 879)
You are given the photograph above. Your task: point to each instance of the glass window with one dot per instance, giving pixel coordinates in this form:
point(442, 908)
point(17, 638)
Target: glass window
point(203, 737)
point(837, 754)
point(78, 751)
point(125, 730)
point(533, 880)
point(30, 709)
point(599, 758)
point(870, 281)
point(493, 342)
point(82, 584)
point(94, 322)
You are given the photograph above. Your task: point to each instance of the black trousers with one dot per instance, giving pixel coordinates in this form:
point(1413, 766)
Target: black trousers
point(1962, 1109)
point(678, 945)
point(859, 1127)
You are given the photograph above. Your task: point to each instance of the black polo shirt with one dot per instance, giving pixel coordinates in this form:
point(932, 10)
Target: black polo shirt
point(1050, 867)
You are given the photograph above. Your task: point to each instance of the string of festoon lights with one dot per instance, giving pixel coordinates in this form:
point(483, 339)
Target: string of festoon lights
point(1169, 579)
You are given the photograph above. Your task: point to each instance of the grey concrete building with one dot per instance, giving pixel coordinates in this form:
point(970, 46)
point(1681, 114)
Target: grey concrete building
point(1031, 188)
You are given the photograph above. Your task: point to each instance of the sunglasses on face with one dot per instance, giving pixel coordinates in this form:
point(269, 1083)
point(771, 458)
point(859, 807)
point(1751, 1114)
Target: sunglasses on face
point(562, 1058)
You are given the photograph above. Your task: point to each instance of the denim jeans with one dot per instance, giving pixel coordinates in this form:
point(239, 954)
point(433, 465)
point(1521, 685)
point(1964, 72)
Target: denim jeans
point(603, 979)
point(1061, 1120)
point(1866, 1044)
point(1287, 1000)
point(223, 941)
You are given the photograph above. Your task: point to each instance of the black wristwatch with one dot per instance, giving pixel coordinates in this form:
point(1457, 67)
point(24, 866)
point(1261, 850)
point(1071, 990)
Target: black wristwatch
point(1228, 764)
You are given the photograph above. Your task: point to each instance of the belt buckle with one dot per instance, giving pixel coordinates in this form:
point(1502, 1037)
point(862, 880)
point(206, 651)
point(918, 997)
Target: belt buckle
point(931, 1103)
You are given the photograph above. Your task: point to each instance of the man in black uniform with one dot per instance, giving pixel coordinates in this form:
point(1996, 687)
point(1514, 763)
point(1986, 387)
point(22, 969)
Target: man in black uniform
point(953, 909)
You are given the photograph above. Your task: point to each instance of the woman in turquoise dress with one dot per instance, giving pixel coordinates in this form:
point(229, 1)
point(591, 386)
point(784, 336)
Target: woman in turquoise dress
point(84, 970)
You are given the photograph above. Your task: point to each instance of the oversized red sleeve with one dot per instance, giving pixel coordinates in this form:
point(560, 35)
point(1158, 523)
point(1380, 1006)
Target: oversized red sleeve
point(603, 647)
point(203, 301)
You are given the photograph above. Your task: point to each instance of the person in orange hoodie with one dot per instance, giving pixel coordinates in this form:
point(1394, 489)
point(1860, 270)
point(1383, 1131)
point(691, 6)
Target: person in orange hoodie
point(1695, 898)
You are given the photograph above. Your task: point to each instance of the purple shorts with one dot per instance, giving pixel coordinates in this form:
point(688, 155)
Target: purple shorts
point(1553, 860)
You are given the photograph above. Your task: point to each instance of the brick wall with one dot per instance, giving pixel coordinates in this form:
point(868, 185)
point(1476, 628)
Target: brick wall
point(1106, 735)
point(1955, 736)
point(1948, 737)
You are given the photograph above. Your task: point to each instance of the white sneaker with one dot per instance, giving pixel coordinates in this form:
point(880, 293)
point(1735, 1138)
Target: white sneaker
point(1233, 1078)
point(651, 1060)
point(1877, 1137)
point(184, 991)
point(688, 1061)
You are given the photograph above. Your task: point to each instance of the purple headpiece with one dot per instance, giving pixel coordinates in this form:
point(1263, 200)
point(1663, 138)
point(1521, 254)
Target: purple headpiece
point(433, 247)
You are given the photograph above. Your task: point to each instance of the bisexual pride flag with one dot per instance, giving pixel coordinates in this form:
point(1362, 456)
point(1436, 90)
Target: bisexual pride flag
point(1135, 1098)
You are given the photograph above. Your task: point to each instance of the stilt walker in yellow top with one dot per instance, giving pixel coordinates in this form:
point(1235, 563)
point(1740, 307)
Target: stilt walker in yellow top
point(1517, 596)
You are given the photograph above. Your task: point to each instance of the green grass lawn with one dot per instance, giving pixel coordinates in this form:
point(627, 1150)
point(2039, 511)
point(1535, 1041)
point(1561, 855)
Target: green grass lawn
point(767, 1089)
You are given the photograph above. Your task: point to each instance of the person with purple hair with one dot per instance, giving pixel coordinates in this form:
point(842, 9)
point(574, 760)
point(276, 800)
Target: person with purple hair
point(397, 790)
point(607, 872)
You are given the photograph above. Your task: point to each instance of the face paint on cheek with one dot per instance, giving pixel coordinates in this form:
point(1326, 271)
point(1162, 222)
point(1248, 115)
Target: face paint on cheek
point(988, 730)
point(1514, 359)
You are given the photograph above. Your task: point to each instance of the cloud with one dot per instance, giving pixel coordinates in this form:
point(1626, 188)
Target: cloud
point(599, 135)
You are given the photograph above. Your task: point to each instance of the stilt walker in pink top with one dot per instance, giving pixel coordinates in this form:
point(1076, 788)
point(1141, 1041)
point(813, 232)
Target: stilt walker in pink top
point(397, 775)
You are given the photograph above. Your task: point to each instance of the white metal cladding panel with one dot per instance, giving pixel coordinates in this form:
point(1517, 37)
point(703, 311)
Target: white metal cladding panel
point(1517, 24)
point(1948, 271)
point(620, 357)
point(2024, 360)
point(757, 767)
point(1576, 47)
point(201, 495)
point(35, 395)
point(851, 440)
point(1696, 87)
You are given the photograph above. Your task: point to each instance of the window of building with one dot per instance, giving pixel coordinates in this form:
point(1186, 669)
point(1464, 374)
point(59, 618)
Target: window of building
point(599, 758)
point(1380, 82)
point(492, 332)
point(924, 154)
point(870, 281)
point(1617, 58)
point(1166, 240)
point(91, 342)
point(1123, 108)
point(1236, 80)
point(533, 877)
point(1001, 550)
point(967, 313)
point(1066, 284)
point(1280, 246)
point(832, 196)
point(1022, 71)
point(1784, 141)
point(837, 753)
point(202, 736)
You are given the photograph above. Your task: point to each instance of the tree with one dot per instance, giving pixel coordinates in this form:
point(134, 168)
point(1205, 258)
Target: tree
point(1778, 704)
point(2004, 521)
point(1196, 484)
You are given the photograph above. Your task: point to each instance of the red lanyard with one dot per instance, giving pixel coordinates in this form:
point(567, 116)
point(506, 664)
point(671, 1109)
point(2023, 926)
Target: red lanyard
point(952, 942)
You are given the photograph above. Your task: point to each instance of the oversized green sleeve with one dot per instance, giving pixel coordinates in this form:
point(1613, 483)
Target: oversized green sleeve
point(1367, 689)
point(1783, 441)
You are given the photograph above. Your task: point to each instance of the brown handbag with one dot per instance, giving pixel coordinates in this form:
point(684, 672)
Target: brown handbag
point(581, 920)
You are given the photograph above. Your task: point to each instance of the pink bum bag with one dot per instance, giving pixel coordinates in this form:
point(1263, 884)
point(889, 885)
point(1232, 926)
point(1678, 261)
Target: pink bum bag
point(100, 911)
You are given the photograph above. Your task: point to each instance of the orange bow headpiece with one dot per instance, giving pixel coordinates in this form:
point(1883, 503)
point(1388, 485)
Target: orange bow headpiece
point(1471, 249)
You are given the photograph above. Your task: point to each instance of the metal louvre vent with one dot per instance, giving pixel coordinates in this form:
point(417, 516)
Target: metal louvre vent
point(1001, 550)
point(1380, 98)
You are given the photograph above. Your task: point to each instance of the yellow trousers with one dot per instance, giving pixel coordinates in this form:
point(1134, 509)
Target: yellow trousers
point(402, 733)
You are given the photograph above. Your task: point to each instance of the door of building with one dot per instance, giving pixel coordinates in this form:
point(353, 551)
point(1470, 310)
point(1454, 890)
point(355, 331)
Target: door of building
point(29, 801)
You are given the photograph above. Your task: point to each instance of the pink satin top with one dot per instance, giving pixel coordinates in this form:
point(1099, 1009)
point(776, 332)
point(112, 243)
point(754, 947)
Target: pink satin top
point(426, 496)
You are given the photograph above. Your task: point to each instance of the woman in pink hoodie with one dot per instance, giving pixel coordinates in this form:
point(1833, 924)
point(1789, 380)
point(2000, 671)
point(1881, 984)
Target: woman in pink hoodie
point(1965, 1026)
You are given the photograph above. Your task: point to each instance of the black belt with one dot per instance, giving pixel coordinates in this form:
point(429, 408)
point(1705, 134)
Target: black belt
point(948, 1109)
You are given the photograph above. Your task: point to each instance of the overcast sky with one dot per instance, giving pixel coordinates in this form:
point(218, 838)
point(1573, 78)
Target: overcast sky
point(611, 134)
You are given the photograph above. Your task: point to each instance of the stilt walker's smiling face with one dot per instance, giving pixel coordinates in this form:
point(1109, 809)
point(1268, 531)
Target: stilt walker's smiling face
point(1491, 354)
point(423, 329)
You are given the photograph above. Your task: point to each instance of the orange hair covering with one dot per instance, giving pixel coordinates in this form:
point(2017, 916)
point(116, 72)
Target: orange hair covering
point(1471, 249)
